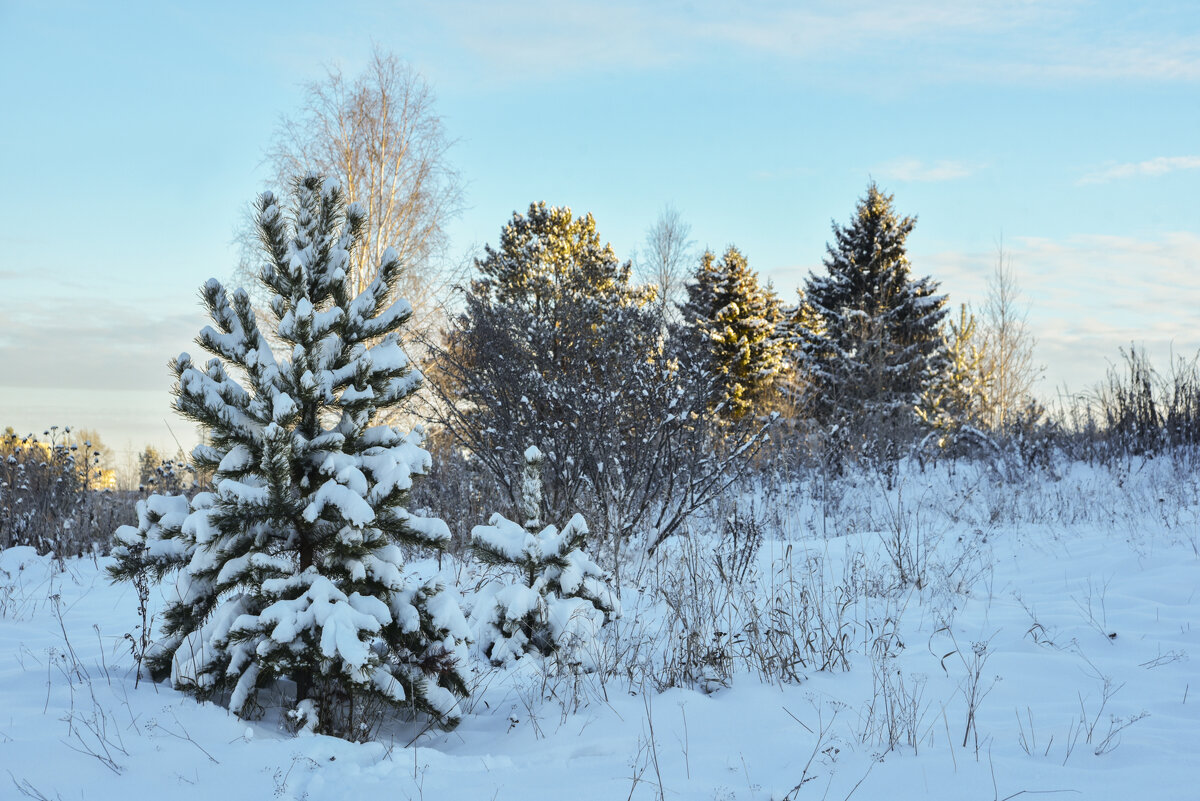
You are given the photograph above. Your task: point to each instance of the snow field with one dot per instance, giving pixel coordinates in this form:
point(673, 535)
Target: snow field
point(1021, 588)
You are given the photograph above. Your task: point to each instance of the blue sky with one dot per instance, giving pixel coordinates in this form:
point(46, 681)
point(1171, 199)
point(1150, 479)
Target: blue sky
point(134, 134)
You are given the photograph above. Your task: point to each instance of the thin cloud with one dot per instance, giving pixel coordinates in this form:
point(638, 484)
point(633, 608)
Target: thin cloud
point(1137, 169)
point(928, 40)
point(842, 26)
point(1090, 295)
point(919, 171)
point(89, 346)
point(1162, 60)
point(543, 38)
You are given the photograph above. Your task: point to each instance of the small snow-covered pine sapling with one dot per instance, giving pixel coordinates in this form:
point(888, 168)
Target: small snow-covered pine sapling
point(291, 567)
point(556, 596)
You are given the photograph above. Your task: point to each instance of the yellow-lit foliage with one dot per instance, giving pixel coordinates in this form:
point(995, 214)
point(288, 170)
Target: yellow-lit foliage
point(79, 457)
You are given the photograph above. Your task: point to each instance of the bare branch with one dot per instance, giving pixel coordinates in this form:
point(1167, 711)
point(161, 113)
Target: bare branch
point(1008, 346)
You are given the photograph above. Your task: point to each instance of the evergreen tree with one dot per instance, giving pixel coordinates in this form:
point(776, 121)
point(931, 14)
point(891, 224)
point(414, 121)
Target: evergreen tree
point(554, 597)
point(955, 404)
point(548, 257)
point(733, 328)
point(799, 322)
point(691, 343)
point(878, 346)
point(291, 567)
point(552, 340)
point(556, 348)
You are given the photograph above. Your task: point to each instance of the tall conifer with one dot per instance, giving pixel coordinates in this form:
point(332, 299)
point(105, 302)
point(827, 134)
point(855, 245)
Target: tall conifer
point(733, 328)
point(878, 346)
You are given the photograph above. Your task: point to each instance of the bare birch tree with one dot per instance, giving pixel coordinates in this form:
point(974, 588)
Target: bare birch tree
point(1008, 346)
point(380, 135)
point(667, 258)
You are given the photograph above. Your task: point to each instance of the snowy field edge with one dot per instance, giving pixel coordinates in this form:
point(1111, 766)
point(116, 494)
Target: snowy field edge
point(1050, 654)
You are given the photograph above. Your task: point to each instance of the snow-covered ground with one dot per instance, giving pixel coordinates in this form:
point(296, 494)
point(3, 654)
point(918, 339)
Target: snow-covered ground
point(1068, 610)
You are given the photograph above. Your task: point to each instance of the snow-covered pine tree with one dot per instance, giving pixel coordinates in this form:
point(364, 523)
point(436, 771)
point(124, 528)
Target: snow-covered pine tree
point(878, 346)
point(699, 306)
point(556, 597)
point(732, 326)
point(292, 567)
point(798, 322)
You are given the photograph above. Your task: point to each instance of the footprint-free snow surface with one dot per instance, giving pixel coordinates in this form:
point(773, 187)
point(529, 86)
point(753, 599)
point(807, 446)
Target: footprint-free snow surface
point(1052, 657)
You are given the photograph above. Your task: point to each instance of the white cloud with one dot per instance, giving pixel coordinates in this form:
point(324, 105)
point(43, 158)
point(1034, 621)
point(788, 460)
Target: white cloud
point(1152, 167)
point(916, 170)
point(821, 28)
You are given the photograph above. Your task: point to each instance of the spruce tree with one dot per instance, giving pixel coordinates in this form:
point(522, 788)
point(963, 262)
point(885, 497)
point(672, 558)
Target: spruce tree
point(954, 406)
point(799, 322)
point(733, 327)
point(699, 307)
point(292, 566)
point(878, 346)
point(149, 460)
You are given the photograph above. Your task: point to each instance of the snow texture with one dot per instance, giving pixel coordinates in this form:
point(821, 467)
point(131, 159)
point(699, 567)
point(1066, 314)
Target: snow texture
point(1048, 570)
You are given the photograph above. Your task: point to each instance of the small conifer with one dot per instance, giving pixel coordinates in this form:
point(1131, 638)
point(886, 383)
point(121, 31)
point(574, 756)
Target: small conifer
point(291, 567)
